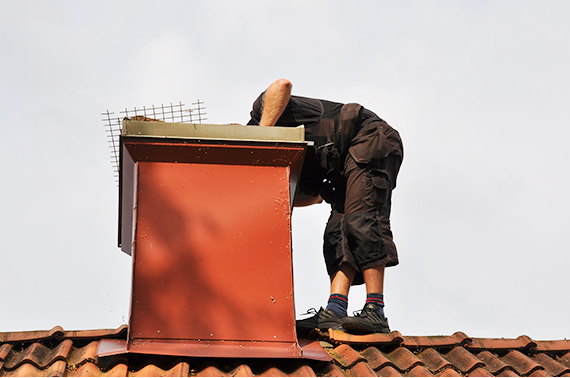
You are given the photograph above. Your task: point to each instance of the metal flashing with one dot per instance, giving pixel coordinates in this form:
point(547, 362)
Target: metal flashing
point(215, 132)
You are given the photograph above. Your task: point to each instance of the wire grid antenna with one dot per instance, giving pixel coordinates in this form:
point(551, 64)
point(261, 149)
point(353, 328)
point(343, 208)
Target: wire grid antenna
point(178, 113)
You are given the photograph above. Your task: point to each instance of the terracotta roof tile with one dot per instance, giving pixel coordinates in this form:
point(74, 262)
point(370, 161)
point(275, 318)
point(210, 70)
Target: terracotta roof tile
point(522, 364)
point(242, 371)
point(458, 338)
point(434, 361)
point(90, 369)
point(492, 363)
point(393, 338)
point(552, 366)
point(539, 373)
point(520, 343)
point(31, 335)
point(57, 369)
point(448, 372)
point(508, 373)
point(479, 372)
point(552, 346)
point(273, 372)
point(376, 359)
point(389, 371)
point(346, 356)
point(418, 371)
point(362, 369)
point(463, 360)
point(403, 359)
point(38, 355)
point(57, 352)
point(332, 370)
point(80, 356)
point(565, 359)
point(212, 371)
point(180, 370)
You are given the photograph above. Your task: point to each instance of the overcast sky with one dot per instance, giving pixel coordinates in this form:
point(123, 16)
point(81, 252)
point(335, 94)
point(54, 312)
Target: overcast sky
point(479, 91)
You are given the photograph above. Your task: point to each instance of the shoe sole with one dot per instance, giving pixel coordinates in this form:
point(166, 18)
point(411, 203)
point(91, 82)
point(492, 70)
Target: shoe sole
point(361, 331)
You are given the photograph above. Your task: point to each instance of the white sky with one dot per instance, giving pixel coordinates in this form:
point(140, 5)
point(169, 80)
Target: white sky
point(479, 90)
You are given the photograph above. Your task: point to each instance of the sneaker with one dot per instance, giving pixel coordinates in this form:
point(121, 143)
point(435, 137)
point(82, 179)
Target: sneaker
point(369, 320)
point(323, 320)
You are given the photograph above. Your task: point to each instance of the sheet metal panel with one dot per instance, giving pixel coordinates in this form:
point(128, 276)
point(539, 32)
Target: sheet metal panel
point(213, 253)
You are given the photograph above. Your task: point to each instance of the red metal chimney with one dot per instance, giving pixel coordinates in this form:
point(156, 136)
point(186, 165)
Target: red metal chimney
point(205, 212)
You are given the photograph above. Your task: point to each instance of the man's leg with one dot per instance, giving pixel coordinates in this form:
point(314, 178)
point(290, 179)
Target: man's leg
point(374, 279)
point(341, 280)
point(335, 311)
point(365, 208)
point(276, 98)
point(340, 286)
point(371, 319)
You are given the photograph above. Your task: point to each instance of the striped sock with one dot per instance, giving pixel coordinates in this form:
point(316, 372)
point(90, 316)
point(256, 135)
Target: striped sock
point(338, 303)
point(377, 298)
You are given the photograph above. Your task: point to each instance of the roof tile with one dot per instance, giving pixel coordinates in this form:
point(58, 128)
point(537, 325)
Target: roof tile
point(180, 370)
point(212, 371)
point(458, 338)
point(346, 356)
point(303, 371)
point(392, 338)
point(242, 371)
point(271, 372)
point(448, 372)
point(539, 373)
point(434, 361)
point(38, 355)
point(90, 369)
point(552, 346)
point(463, 360)
point(508, 373)
point(375, 358)
point(332, 370)
point(565, 359)
point(520, 343)
point(389, 371)
point(418, 371)
point(4, 351)
point(522, 364)
point(492, 363)
point(362, 369)
point(57, 369)
point(403, 359)
point(552, 366)
point(479, 372)
point(9, 337)
point(79, 356)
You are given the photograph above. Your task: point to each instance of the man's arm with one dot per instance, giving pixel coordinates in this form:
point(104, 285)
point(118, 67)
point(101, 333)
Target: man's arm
point(276, 99)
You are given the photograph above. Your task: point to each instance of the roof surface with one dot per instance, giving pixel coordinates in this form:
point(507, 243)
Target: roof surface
point(73, 353)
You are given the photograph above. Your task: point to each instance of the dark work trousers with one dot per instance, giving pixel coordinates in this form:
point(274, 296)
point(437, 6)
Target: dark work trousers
point(358, 230)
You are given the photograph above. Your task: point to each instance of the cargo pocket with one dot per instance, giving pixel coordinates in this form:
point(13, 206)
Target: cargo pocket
point(370, 145)
point(377, 188)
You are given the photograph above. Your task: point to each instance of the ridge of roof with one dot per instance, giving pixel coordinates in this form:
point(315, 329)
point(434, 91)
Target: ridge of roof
point(73, 353)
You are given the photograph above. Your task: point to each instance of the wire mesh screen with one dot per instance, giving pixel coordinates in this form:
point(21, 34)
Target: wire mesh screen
point(178, 113)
